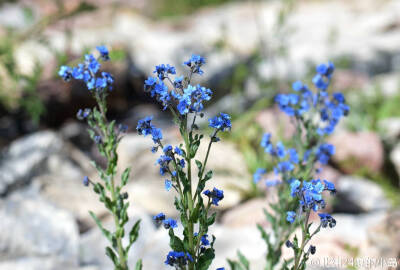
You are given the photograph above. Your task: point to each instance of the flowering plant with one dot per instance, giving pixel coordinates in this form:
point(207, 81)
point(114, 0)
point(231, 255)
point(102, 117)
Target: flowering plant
point(195, 249)
point(299, 191)
point(106, 137)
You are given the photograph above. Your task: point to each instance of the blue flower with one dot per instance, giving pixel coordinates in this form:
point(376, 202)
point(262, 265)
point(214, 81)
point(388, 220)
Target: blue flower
point(216, 195)
point(167, 149)
point(92, 63)
point(178, 82)
point(283, 166)
point(294, 187)
point(156, 135)
point(168, 184)
point(164, 161)
point(65, 72)
point(258, 175)
point(195, 62)
point(178, 151)
point(163, 71)
point(159, 217)
point(178, 258)
point(272, 183)
point(86, 181)
point(280, 150)
point(291, 216)
point(326, 220)
point(103, 52)
point(204, 240)
point(170, 223)
point(324, 152)
point(330, 186)
point(221, 122)
point(144, 126)
point(150, 83)
point(293, 156)
point(77, 72)
point(83, 114)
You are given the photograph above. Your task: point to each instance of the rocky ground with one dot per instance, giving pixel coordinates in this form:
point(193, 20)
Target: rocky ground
point(44, 221)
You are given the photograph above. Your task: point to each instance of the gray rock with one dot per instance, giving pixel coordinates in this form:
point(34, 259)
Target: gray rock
point(350, 155)
point(357, 195)
point(26, 157)
point(32, 227)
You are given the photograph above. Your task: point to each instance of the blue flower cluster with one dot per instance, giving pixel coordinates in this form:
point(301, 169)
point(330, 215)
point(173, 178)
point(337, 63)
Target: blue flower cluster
point(87, 72)
point(167, 222)
point(309, 194)
point(215, 195)
point(331, 108)
point(178, 258)
point(287, 158)
point(185, 100)
point(221, 122)
point(145, 127)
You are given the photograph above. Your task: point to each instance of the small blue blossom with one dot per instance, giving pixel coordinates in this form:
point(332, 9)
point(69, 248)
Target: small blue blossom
point(294, 187)
point(92, 64)
point(178, 82)
point(163, 71)
point(83, 114)
point(178, 258)
point(159, 217)
point(204, 240)
point(178, 151)
point(293, 156)
point(216, 195)
point(103, 52)
point(65, 72)
point(324, 152)
point(283, 167)
point(168, 184)
point(221, 122)
point(86, 181)
point(326, 220)
point(291, 216)
point(330, 186)
point(144, 126)
point(195, 62)
point(272, 183)
point(167, 149)
point(164, 161)
point(170, 223)
point(257, 176)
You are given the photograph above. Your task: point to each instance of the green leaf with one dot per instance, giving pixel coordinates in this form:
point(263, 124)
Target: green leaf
point(199, 165)
point(139, 265)
point(205, 259)
point(134, 233)
point(125, 176)
point(174, 242)
point(110, 253)
point(208, 176)
point(243, 260)
point(105, 232)
point(211, 219)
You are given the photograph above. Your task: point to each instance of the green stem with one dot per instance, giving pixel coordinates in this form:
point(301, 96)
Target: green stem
point(110, 155)
point(303, 242)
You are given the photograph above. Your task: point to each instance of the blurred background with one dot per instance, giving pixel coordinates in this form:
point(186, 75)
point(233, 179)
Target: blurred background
point(254, 50)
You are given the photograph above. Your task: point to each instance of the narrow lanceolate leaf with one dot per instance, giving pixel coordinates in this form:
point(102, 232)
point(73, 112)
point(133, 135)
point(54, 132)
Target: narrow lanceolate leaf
point(110, 253)
point(243, 260)
point(105, 232)
point(139, 265)
point(134, 233)
point(125, 176)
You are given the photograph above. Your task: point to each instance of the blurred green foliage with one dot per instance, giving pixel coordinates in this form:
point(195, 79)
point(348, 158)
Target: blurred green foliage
point(164, 8)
